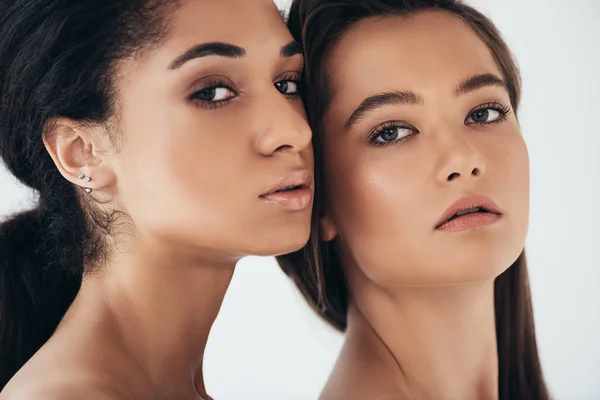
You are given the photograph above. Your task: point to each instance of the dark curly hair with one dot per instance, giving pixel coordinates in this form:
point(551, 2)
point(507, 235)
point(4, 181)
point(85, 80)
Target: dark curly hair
point(57, 59)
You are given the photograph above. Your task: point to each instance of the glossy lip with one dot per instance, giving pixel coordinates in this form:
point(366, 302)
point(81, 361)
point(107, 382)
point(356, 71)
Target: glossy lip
point(297, 199)
point(476, 201)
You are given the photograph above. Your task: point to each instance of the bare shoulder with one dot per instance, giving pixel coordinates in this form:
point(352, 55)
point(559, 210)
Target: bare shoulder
point(50, 375)
point(78, 364)
point(62, 390)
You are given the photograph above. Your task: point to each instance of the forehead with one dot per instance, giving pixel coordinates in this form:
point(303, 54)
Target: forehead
point(425, 52)
point(245, 23)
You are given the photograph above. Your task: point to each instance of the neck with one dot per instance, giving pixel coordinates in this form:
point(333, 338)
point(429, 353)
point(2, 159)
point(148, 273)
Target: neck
point(160, 306)
point(442, 340)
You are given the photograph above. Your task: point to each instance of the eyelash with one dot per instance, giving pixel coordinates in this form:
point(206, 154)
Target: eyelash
point(381, 128)
point(211, 85)
point(221, 83)
point(490, 105)
point(295, 79)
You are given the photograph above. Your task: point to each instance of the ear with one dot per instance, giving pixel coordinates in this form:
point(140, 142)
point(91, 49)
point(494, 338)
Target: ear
point(79, 152)
point(327, 227)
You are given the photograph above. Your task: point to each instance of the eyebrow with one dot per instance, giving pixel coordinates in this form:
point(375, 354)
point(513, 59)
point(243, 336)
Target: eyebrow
point(479, 82)
point(228, 51)
point(380, 100)
point(411, 98)
point(291, 49)
point(208, 49)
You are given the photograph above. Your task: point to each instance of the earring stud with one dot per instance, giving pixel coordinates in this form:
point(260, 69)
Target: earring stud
point(86, 179)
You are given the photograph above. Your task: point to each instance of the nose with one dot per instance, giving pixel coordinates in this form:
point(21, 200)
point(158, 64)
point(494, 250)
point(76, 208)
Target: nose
point(460, 162)
point(285, 128)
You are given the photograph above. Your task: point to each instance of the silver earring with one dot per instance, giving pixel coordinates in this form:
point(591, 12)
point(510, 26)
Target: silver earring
point(86, 179)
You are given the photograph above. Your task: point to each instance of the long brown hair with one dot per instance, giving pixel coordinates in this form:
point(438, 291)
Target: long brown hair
point(316, 269)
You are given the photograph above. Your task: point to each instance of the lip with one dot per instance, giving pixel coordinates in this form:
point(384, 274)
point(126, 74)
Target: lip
point(296, 199)
point(470, 221)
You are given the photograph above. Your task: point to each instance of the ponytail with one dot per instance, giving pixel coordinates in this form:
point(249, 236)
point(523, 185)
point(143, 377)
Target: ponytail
point(57, 59)
point(40, 273)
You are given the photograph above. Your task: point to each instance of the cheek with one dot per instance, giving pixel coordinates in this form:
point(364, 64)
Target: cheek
point(519, 170)
point(507, 176)
point(507, 180)
point(377, 205)
point(514, 164)
point(174, 170)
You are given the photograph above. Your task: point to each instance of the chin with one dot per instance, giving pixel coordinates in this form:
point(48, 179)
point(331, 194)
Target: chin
point(444, 269)
point(279, 242)
point(472, 268)
point(478, 258)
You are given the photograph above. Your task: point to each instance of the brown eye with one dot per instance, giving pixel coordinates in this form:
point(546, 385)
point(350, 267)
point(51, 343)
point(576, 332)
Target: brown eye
point(214, 94)
point(287, 87)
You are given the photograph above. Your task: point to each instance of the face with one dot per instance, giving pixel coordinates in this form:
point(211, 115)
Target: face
point(420, 126)
point(212, 126)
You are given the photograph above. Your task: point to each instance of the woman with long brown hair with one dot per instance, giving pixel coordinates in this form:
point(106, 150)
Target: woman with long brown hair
point(417, 249)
